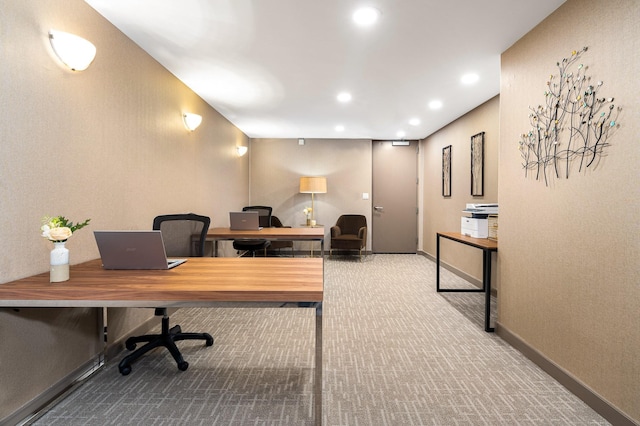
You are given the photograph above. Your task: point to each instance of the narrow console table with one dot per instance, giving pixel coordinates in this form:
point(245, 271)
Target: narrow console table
point(487, 246)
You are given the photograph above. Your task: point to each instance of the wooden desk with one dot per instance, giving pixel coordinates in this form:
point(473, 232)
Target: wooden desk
point(287, 234)
point(256, 282)
point(487, 246)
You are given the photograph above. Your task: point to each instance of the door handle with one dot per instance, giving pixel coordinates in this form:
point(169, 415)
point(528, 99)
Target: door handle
point(378, 208)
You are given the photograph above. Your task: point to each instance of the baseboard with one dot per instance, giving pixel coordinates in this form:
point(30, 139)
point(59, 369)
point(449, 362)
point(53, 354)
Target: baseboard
point(38, 406)
point(575, 386)
point(353, 253)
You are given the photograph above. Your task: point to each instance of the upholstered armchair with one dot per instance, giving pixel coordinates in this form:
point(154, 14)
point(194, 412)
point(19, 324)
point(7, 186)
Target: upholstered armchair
point(349, 233)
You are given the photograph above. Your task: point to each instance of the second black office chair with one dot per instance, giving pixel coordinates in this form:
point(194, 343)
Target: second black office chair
point(252, 245)
point(184, 235)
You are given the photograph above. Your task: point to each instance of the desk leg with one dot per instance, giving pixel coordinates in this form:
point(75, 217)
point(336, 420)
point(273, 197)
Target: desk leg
point(437, 263)
point(103, 327)
point(486, 283)
point(317, 384)
point(215, 247)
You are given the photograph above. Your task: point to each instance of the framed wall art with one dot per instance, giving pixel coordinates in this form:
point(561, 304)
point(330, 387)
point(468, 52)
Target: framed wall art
point(477, 164)
point(446, 171)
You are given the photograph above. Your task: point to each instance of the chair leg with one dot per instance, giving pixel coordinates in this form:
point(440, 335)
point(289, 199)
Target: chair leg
point(167, 338)
point(125, 365)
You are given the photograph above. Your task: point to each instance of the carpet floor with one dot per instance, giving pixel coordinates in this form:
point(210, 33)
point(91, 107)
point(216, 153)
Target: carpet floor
point(395, 353)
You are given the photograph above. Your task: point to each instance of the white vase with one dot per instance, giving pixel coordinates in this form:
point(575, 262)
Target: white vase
point(59, 260)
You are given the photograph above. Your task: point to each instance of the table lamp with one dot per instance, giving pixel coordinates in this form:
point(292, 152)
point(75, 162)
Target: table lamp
point(313, 185)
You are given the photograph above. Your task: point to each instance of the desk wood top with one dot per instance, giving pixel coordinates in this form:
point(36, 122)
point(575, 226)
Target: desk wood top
point(481, 243)
point(198, 282)
point(269, 233)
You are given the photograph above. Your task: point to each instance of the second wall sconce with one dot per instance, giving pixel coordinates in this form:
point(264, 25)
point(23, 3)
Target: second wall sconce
point(241, 150)
point(75, 52)
point(191, 121)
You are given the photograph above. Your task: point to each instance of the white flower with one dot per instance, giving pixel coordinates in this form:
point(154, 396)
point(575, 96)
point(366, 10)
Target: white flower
point(59, 234)
point(45, 231)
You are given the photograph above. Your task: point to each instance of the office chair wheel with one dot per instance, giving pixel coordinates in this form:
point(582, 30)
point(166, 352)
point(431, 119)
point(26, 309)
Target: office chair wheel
point(130, 345)
point(124, 370)
point(209, 341)
point(182, 366)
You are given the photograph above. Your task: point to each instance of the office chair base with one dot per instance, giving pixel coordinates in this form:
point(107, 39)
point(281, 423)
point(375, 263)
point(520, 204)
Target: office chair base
point(167, 338)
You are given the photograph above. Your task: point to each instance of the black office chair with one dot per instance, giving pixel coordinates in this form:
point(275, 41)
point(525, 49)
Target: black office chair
point(251, 246)
point(178, 231)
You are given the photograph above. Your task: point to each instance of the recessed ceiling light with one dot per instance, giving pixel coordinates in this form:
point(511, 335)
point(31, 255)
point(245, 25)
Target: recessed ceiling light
point(435, 104)
point(344, 97)
point(339, 128)
point(414, 121)
point(470, 78)
point(366, 16)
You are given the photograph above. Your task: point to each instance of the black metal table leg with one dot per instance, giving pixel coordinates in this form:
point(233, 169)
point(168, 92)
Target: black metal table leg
point(438, 263)
point(486, 247)
point(486, 283)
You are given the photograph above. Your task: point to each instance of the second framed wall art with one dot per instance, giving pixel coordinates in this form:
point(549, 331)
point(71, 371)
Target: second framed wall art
point(477, 164)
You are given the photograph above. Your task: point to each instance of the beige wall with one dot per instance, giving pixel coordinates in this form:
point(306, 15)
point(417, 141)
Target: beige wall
point(441, 214)
point(276, 167)
point(107, 144)
point(568, 260)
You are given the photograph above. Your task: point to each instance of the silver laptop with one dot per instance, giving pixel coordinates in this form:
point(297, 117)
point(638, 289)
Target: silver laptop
point(245, 221)
point(133, 250)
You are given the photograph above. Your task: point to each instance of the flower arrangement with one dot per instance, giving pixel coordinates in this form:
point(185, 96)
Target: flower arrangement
point(58, 229)
point(307, 212)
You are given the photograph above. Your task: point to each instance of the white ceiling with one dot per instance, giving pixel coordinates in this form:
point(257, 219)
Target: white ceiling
point(274, 67)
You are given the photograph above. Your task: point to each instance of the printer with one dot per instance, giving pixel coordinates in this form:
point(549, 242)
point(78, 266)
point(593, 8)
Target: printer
point(477, 224)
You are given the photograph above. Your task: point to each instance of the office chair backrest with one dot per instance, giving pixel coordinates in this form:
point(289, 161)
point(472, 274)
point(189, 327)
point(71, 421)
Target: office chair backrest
point(184, 235)
point(264, 213)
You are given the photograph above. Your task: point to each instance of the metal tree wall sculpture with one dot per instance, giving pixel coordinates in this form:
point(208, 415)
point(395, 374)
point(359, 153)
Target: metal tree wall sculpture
point(573, 124)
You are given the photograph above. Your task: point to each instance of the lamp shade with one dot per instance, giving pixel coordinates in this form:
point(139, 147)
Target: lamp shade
point(191, 121)
point(313, 185)
point(75, 52)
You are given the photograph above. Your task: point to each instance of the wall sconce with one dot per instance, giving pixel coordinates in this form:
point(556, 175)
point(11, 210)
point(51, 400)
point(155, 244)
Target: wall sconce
point(75, 52)
point(313, 185)
point(191, 121)
point(242, 150)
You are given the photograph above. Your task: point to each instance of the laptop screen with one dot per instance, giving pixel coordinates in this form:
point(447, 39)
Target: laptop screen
point(133, 250)
point(244, 221)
